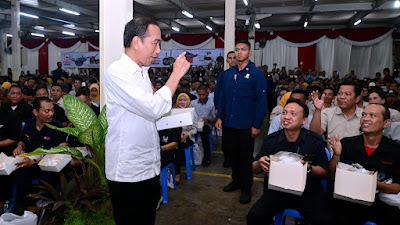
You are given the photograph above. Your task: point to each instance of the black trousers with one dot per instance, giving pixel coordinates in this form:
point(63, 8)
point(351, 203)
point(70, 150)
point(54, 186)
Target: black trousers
point(241, 147)
point(313, 206)
point(136, 202)
point(205, 141)
point(347, 213)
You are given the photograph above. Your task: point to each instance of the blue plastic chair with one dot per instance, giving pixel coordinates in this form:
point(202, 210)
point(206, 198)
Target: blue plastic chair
point(189, 155)
point(281, 217)
point(164, 180)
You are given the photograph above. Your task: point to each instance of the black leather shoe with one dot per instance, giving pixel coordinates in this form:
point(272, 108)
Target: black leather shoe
point(206, 162)
point(245, 197)
point(232, 186)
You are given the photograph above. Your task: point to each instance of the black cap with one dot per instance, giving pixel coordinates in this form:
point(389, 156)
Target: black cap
point(392, 92)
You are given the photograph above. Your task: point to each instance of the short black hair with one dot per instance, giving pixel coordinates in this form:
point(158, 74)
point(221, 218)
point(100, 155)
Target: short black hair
point(330, 88)
point(230, 52)
point(357, 88)
point(380, 92)
point(15, 86)
point(37, 101)
point(137, 27)
point(302, 105)
point(385, 113)
point(245, 42)
point(284, 89)
point(203, 87)
point(41, 87)
point(185, 86)
point(83, 91)
point(56, 85)
point(300, 91)
point(315, 88)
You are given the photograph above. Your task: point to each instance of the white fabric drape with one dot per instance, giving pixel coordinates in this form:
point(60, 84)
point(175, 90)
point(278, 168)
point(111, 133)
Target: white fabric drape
point(298, 45)
point(30, 60)
point(277, 52)
point(55, 55)
point(341, 57)
point(171, 44)
point(359, 60)
point(369, 42)
point(381, 56)
point(325, 56)
point(93, 46)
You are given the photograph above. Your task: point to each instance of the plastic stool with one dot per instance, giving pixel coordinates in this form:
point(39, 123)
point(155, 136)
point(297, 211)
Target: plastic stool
point(280, 217)
point(189, 154)
point(164, 180)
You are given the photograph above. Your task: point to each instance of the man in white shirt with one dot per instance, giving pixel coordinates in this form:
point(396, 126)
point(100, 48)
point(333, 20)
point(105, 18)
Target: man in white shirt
point(132, 141)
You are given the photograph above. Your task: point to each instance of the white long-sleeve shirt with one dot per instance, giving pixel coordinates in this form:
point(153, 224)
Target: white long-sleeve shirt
point(132, 142)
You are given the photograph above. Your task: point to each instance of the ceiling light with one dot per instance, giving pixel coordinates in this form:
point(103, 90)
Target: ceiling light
point(68, 33)
point(209, 28)
point(37, 34)
point(175, 29)
point(38, 28)
point(397, 4)
point(69, 26)
point(357, 22)
point(257, 25)
point(186, 13)
point(9, 35)
point(97, 31)
point(305, 24)
point(246, 2)
point(28, 15)
point(70, 11)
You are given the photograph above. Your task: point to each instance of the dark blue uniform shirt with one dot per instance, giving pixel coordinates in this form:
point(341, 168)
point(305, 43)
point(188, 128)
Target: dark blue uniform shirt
point(243, 101)
point(46, 138)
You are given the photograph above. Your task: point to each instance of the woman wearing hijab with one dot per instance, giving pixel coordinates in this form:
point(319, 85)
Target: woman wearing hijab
point(95, 93)
point(187, 139)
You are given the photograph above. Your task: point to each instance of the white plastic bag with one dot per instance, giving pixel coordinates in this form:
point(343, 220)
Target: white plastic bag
point(170, 179)
point(390, 199)
point(28, 218)
point(198, 152)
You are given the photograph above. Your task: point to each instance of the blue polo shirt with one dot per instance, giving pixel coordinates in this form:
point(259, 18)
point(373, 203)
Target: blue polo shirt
point(243, 102)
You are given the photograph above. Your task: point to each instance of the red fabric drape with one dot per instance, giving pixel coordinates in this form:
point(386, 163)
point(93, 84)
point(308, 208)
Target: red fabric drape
point(307, 57)
point(44, 59)
point(91, 49)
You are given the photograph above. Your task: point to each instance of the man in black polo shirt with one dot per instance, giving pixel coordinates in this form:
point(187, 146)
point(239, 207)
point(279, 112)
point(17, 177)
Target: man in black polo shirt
point(17, 110)
point(59, 113)
point(313, 204)
point(36, 135)
point(374, 152)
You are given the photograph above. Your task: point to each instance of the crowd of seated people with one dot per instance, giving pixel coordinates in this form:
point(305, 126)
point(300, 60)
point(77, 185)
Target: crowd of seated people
point(335, 106)
point(25, 106)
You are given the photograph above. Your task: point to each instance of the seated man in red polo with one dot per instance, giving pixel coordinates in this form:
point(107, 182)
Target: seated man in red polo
point(374, 152)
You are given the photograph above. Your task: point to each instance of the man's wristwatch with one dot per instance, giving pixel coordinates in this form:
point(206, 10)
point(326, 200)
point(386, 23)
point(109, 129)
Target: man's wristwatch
point(309, 169)
point(35, 161)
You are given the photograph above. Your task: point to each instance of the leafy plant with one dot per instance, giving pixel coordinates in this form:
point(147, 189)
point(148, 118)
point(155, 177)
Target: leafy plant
point(81, 192)
point(89, 130)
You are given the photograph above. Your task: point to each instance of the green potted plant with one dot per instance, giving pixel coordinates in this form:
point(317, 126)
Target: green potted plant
point(89, 130)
